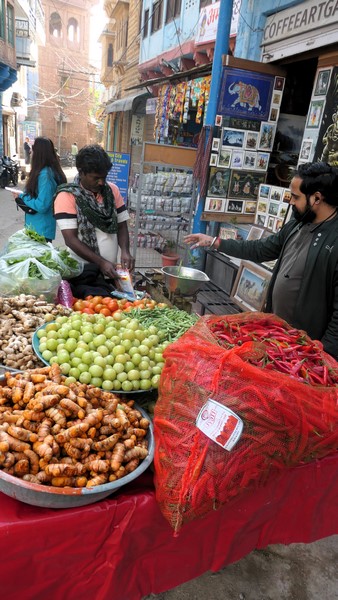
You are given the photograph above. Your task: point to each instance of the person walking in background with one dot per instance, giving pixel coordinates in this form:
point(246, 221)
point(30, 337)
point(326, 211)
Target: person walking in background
point(92, 217)
point(44, 177)
point(74, 150)
point(304, 285)
point(27, 149)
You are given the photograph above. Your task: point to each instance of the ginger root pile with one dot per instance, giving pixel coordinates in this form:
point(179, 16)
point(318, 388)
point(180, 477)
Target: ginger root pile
point(20, 316)
point(72, 435)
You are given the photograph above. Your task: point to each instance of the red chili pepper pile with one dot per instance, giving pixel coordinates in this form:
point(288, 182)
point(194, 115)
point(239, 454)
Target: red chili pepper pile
point(233, 359)
point(289, 351)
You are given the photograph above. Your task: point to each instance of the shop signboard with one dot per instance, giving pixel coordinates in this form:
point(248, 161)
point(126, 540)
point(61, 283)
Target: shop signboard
point(119, 172)
point(208, 22)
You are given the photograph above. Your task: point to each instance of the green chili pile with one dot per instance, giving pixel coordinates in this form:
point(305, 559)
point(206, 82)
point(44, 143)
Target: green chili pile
point(172, 322)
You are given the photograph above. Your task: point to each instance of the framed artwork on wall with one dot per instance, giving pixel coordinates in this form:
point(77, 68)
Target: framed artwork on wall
point(255, 233)
point(237, 159)
point(215, 144)
point(233, 137)
point(218, 182)
point(305, 150)
point(250, 160)
point(322, 82)
point(224, 158)
point(245, 93)
point(315, 113)
point(213, 159)
point(250, 286)
point(267, 136)
point(251, 140)
point(250, 207)
point(245, 184)
point(235, 206)
point(214, 204)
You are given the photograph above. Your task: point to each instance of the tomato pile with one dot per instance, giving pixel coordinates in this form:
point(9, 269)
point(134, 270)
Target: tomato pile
point(107, 306)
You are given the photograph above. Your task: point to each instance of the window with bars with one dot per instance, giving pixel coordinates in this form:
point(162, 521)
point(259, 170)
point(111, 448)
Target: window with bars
point(10, 24)
point(173, 10)
point(157, 15)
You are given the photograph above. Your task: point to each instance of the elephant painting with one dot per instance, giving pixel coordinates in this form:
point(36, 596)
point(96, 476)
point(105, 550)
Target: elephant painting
point(247, 95)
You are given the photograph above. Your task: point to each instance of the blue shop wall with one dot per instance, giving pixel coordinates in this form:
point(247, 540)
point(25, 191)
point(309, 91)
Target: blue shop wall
point(172, 34)
point(250, 31)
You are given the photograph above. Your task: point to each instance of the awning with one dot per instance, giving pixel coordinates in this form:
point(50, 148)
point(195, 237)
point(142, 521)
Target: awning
point(124, 104)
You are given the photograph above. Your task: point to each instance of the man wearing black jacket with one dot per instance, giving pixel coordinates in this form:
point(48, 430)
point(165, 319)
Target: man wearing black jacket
point(304, 285)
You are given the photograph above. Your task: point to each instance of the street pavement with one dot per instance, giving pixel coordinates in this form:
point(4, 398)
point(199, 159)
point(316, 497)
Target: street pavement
point(294, 572)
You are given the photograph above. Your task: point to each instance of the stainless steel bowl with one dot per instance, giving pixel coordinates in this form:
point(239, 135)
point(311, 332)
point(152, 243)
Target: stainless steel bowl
point(185, 280)
point(53, 497)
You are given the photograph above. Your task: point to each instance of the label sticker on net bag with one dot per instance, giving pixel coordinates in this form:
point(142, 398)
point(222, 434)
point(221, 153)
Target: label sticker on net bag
point(220, 424)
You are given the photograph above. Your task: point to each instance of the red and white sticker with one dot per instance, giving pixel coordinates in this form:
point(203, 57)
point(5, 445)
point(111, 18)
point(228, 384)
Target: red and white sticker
point(220, 424)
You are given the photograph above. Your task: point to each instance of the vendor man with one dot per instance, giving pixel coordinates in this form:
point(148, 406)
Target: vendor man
point(92, 215)
point(304, 285)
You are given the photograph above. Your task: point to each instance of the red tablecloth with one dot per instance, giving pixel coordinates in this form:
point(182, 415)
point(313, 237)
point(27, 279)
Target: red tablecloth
point(123, 549)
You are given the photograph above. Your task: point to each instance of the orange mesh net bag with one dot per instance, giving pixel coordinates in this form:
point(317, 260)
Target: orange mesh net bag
point(265, 397)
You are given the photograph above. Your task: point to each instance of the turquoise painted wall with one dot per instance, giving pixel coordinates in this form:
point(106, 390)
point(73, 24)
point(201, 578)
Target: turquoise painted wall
point(252, 22)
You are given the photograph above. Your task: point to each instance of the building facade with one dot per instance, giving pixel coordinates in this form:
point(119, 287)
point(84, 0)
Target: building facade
point(63, 94)
point(8, 70)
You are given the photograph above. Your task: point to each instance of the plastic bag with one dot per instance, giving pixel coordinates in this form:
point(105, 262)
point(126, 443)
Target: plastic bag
point(286, 421)
point(20, 245)
point(32, 277)
point(64, 295)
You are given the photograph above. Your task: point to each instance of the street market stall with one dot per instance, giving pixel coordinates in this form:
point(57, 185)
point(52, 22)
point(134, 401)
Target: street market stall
point(141, 538)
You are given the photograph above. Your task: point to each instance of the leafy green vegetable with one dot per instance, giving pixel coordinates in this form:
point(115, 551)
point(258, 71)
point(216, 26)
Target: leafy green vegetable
point(33, 235)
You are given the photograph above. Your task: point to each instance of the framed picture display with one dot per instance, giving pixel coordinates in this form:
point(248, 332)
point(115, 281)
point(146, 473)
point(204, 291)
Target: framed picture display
point(214, 204)
point(262, 161)
point(261, 219)
point(273, 208)
point(235, 206)
point(218, 120)
point(234, 138)
point(305, 150)
point(250, 207)
point(224, 158)
point(245, 93)
point(245, 184)
point(250, 286)
point(237, 159)
point(276, 98)
point(215, 145)
point(267, 136)
point(274, 112)
point(250, 160)
point(264, 190)
point(255, 233)
point(315, 113)
point(262, 205)
point(213, 159)
point(286, 195)
point(322, 82)
point(276, 193)
point(278, 224)
point(279, 83)
point(252, 140)
point(218, 182)
point(288, 215)
point(270, 223)
point(226, 233)
point(282, 210)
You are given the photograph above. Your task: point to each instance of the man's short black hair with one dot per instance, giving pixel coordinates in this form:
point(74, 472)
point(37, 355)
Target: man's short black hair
point(93, 159)
point(319, 177)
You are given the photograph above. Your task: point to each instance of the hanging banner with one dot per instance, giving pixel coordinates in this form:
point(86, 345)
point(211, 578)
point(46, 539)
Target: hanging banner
point(119, 172)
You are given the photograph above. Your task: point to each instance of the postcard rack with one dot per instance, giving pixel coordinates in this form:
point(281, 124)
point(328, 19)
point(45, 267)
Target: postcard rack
point(161, 207)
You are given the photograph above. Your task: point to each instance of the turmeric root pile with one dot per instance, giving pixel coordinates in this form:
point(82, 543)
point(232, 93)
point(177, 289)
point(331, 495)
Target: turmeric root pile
point(20, 317)
point(72, 435)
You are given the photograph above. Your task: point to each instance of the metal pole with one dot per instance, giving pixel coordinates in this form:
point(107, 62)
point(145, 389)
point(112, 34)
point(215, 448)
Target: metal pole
point(221, 47)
